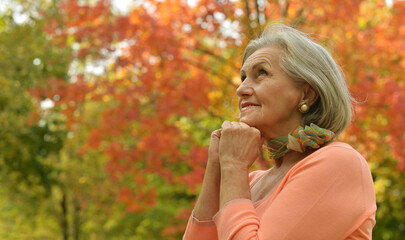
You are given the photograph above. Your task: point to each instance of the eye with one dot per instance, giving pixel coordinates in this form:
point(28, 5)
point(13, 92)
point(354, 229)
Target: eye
point(263, 72)
point(243, 77)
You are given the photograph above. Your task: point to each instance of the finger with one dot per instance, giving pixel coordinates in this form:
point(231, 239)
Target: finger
point(245, 126)
point(256, 132)
point(233, 124)
point(238, 126)
point(226, 124)
point(261, 149)
point(244, 123)
point(216, 133)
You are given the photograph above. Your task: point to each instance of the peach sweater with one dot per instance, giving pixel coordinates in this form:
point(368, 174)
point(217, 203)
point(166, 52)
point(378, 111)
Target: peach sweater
point(327, 195)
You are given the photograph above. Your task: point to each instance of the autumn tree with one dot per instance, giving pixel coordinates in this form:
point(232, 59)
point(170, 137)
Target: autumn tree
point(146, 87)
point(28, 136)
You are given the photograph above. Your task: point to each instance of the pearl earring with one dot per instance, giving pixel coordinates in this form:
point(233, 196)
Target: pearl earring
point(303, 107)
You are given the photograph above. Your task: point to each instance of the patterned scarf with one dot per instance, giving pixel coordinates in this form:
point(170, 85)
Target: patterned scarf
point(299, 139)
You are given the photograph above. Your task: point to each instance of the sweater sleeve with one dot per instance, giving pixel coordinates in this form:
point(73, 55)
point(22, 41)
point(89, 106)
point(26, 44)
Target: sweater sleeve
point(200, 230)
point(324, 197)
point(204, 230)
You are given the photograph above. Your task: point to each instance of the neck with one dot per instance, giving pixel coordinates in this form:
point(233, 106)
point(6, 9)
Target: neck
point(291, 158)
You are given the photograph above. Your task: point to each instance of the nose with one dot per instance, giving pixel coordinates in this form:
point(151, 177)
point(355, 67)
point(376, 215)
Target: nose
point(244, 90)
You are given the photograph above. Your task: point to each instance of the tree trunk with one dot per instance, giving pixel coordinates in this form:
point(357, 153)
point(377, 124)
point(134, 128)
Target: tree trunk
point(76, 219)
point(64, 222)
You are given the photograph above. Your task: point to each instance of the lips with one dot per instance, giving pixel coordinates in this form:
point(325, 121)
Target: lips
point(248, 105)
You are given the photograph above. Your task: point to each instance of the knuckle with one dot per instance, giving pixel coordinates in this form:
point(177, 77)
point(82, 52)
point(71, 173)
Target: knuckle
point(215, 133)
point(255, 131)
point(234, 123)
point(226, 130)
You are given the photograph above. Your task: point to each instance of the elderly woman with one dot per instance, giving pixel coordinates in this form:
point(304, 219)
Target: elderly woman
point(293, 98)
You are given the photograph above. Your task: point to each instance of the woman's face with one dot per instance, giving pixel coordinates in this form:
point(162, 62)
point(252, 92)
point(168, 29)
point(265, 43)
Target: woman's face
point(268, 97)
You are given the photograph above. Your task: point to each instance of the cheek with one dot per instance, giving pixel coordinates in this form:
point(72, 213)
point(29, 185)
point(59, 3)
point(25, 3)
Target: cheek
point(281, 103)
point(277, 96)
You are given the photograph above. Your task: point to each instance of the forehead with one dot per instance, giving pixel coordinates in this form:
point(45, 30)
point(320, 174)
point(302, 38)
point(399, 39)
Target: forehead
point(269, 55)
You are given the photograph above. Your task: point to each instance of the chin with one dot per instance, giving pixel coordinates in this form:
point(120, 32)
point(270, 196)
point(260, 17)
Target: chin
point(246, 121)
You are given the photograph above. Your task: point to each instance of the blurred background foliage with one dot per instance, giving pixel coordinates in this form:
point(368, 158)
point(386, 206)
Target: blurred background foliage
point(106, 107)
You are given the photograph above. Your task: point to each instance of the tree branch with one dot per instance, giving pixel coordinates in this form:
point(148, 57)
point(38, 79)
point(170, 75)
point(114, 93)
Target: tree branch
point(249, 28)
point(259, 25)
point(247, 9)
point(211, 54)
point(284, 10)
point(210, 71)
point(264, 16)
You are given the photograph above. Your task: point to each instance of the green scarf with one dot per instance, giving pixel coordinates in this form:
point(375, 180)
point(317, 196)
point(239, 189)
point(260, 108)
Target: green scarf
point(299, 139)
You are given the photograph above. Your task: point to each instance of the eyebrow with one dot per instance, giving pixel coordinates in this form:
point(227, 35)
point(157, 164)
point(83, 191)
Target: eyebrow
point(255, 66)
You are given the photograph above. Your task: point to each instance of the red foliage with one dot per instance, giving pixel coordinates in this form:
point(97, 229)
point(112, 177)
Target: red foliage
point(158, 76)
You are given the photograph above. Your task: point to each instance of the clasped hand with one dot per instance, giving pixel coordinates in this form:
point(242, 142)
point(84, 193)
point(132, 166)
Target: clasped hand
point(235, 145)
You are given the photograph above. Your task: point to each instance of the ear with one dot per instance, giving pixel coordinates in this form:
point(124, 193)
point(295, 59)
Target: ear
point(309, 95)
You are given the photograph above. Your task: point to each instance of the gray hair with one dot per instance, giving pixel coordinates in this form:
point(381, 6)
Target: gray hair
point(305, 61)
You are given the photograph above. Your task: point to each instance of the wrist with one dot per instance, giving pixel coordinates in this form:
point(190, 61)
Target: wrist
point(234, 169)
point(213, 162)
